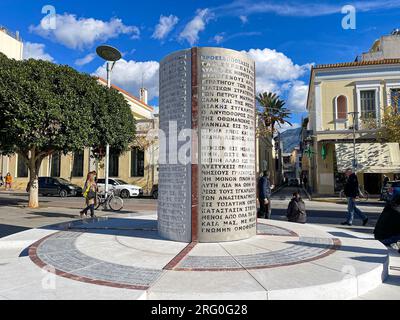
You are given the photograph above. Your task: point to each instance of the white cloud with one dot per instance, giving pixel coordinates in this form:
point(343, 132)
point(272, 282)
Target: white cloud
point(80, 33)
point(305, 9)
point(85, 60)
point(129, 74)
point(277, 73)
point(36, 51)
point(218, 38)
point(191, 31)
point(165, 26)
point(244, 19)
point(297, 97)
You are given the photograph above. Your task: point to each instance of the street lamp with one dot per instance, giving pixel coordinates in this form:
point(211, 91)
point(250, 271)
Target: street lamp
point(111, 55)
point(354, 114)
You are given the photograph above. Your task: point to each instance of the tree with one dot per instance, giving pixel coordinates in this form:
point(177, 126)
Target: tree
point(390, 128)
point(272, 110)
point(47, 108)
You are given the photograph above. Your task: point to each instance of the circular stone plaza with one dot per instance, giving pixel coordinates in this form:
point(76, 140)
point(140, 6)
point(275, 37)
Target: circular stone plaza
point(124, 257)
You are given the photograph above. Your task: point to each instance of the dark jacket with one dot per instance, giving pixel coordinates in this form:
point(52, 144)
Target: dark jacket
point(296, 211)
point(388, 224)
point(351, 188)
point(264, 188)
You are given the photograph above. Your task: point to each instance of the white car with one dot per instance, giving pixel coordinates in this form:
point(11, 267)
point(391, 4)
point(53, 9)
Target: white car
point(121, 188)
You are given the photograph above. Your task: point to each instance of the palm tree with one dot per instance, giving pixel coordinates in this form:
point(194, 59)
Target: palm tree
point(272, 110)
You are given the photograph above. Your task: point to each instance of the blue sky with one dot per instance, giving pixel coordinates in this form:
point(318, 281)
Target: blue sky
point(284, 37)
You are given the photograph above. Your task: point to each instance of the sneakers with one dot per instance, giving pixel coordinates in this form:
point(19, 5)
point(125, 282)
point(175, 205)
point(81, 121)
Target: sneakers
point(365, 221)
point(346, 223)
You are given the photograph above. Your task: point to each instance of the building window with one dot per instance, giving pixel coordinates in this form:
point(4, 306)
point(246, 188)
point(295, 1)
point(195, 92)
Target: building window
point(77, 169)
point(55, 164)
point(341, 108)
point(113, 164)
point(137, 162)
point(368, 104)
point(395, 99)
point(22, 171)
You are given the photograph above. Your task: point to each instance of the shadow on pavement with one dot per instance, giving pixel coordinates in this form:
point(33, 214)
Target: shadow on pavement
point(140, 228)
point(6, 230)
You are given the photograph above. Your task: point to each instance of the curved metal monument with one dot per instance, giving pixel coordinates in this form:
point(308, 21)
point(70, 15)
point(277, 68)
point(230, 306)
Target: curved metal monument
point(207, 190)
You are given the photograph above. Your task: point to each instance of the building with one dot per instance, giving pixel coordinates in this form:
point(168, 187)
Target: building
point(387, 47)
point(137, 166)
point(336, 93)
point(11, 44)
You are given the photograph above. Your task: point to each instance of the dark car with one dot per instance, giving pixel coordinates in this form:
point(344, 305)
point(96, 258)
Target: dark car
point(58, 187)
point(154, 191)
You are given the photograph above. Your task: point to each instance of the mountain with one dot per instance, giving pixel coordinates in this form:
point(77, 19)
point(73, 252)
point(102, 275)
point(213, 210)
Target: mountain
point(290, 139)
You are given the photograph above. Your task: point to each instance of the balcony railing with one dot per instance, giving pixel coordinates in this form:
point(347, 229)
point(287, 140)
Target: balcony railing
point(14, 35)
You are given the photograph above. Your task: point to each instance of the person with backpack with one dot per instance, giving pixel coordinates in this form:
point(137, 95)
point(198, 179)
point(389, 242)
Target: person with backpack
point(296, 211)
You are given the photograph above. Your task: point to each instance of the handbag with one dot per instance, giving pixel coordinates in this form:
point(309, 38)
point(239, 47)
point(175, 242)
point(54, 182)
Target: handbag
point(91, 195)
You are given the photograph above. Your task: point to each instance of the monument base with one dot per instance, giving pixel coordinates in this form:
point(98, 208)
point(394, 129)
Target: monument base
point(126, 255)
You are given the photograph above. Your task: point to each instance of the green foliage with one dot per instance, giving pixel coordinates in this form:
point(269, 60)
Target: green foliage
point(272, 110)
point(46, 107)
point(390, 129)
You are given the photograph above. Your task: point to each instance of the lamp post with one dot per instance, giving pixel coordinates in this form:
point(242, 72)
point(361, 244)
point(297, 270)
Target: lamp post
point(111, 55)
point(354, 114)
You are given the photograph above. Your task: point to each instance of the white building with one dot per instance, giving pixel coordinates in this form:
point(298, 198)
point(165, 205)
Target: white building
point(10, 44)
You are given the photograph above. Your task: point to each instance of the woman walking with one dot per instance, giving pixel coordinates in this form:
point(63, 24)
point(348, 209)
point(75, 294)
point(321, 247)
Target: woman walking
point(296, 211)
point(90, 195)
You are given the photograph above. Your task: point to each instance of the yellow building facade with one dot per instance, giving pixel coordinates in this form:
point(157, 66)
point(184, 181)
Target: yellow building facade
point(337, 92)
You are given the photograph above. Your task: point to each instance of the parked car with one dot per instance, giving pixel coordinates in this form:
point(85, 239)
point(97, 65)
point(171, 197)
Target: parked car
point(58, 187)
point(121, 188)
point(154, 191)
point(391, 190)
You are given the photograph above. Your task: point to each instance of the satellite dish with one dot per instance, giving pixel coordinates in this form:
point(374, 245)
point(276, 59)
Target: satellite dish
point(108, 53)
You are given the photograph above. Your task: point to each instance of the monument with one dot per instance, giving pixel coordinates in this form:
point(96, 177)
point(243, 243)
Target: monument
point(207, 178)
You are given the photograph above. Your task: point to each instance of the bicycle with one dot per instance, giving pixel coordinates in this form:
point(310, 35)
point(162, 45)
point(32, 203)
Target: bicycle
point(110, 200)
point(364, 195)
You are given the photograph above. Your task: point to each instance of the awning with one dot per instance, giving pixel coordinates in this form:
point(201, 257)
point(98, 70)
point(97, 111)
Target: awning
point(371, 157)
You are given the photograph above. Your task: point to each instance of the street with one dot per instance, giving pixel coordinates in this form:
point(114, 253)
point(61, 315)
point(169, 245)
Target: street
point(16, 217)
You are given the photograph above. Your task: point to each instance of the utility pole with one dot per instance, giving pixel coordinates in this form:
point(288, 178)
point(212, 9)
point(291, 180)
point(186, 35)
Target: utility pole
point(354, 114)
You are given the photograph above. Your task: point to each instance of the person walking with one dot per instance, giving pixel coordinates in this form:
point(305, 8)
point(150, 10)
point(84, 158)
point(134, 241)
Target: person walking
point(90, 196)
point(1, 179)
point(264, 196)
point(9, 181)
point(305, 183)
point(296, 211)
point(385, 180)
point(352, 191)
point(387, 228)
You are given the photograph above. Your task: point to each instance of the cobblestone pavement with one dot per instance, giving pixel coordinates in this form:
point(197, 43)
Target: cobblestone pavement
point(58, 252)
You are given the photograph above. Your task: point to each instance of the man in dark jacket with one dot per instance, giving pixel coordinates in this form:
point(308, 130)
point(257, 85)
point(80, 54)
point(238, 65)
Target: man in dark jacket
point(352, 191)
point(264, 196)
point(387, 229)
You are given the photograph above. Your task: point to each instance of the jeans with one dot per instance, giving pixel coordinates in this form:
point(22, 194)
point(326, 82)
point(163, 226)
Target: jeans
point(265, 209)
point(352, 209)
